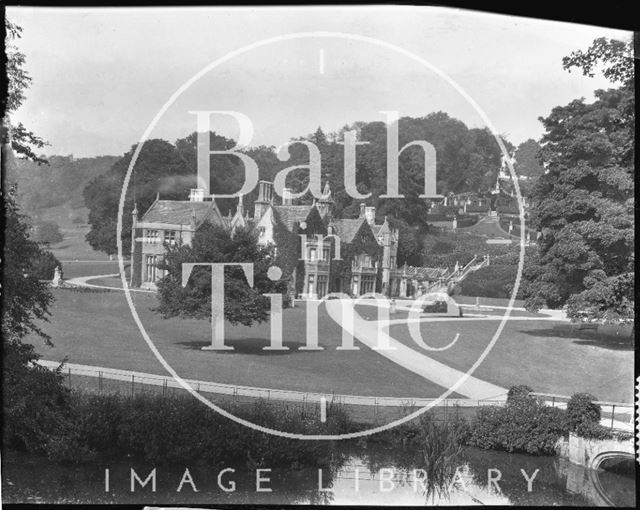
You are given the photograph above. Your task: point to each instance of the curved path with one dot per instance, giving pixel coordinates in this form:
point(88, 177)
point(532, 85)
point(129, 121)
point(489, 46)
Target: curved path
point(374, 333)
point(83, 281)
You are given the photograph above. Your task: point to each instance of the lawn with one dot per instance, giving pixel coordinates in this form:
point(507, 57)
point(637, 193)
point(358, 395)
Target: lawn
point(96, 328)
point(533, 353)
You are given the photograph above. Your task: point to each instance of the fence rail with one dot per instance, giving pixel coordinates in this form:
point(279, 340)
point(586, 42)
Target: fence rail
point(133, 381)
point(71, 369)
point(624, 409)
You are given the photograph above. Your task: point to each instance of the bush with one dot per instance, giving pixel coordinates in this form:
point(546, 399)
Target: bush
point(77, 220)
point(521, 425)
point(591, 430)
point(467, 221)
point(178, 429)
point(519, 393)
point(36, 405)
point(44, 266)
point(48, 232)
point(582, 411)
point(436, 307)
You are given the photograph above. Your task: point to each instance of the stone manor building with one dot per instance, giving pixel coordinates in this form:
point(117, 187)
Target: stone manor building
point(317, 252)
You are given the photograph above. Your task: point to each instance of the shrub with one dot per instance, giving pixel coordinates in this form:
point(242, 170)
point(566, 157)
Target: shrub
point(36, 405)
point(592, 430)
point(48, 232)
point(77, 220)
point(177, 428)
point(436, 307)
point(581, 410)
point(44, 265)
point(467, 221)
point(519, 393)
point(521, 425)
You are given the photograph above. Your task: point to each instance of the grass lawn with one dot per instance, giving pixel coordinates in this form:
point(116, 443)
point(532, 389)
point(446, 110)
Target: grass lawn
point(533, 353)
point(96, 328)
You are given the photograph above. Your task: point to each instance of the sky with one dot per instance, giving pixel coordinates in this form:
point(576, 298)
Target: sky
point(100, 76)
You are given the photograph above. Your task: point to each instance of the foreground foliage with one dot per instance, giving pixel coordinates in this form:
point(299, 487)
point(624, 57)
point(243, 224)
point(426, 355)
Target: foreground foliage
point(584, 203)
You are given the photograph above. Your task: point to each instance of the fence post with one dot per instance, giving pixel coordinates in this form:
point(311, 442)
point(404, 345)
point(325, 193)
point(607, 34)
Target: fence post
point(553, 401)
point(100, 382)
point(69, 376)
point(164, 387)
point(132, 383)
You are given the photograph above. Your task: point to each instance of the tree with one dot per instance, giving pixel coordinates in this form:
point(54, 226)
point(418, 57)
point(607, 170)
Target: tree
point(527, 160)
point(25, 299)
point(584, 204)
point(48, 232)
point(35, 402)
point(21, 140)
point(243, 304)
point(160, 168)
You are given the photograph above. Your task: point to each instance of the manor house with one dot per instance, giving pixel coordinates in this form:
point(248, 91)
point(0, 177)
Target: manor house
point(317, 252)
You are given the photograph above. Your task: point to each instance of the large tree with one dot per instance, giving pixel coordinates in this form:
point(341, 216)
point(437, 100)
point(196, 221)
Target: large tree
point(34, 399)
point(583, 204)
point(528, 162)
point(160, 168)
point(243, 304)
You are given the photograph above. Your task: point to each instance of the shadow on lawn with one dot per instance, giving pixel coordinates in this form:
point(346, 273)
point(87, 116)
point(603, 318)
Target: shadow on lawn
point(248, 346)
point(582, 337)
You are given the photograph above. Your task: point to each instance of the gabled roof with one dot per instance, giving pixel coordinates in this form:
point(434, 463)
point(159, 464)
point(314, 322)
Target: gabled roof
point(181, 211)
point(347, 228)
point(289, 215)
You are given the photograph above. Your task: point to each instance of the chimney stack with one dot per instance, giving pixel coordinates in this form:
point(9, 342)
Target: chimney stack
point(265, 198)
point(370, 215)
point(362, 209)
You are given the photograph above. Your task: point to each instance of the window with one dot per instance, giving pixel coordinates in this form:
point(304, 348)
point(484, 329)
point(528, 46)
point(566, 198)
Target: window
point(366, 261)
point(310, 284)
point(151, 270)
point(312, 254)
point(152, 236)
point(325, 254)
point(172, 237)
point(322, 285)
point(261, 231)
point(368, 283)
